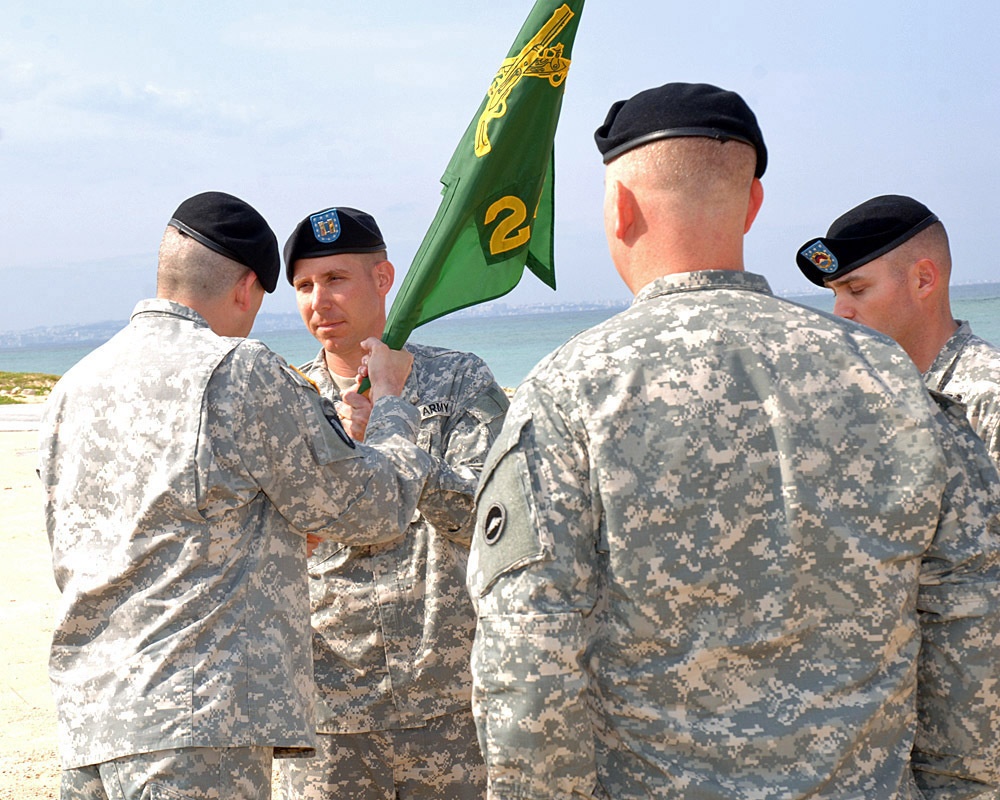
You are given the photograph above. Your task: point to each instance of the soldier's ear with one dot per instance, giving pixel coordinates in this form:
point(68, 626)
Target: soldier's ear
point(927, 277)
point(756, 201)
point(625, 210)
point(385, 274)
point(243, 291)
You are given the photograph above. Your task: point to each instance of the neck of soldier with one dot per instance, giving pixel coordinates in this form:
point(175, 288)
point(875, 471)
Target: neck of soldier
point(933, 330)
point(670, 246)
point(346, 360)
point(224, 315)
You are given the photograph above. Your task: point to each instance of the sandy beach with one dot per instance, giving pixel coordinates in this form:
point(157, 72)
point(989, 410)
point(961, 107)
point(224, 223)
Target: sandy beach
point(29, 767)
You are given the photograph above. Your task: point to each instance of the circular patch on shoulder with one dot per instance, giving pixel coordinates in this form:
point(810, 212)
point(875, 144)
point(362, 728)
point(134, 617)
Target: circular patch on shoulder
point(496, 519)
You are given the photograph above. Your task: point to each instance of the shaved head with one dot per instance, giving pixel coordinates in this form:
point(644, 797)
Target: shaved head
point(694, 166)
point(189, 269)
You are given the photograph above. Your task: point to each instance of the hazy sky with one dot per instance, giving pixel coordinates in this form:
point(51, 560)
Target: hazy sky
point(111, 113)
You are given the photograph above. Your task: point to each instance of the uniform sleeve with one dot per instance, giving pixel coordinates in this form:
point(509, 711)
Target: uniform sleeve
point(447, 503)
point(533, 579)
point(315, 475)
point(985, 409)
point(957, 751)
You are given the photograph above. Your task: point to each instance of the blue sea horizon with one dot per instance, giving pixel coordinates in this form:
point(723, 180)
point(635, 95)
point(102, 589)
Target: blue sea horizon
point(511, 344)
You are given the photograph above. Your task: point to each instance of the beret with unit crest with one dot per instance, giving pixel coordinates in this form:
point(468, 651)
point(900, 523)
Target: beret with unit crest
point(330, 232)
point(863, 234)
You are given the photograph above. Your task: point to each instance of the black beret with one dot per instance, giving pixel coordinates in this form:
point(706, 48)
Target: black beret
point(864, 233)
point(332, 231)
point(233, 228)
point(680, 109)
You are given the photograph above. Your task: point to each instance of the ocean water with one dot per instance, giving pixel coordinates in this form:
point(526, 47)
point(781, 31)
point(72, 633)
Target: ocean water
point(511, 345)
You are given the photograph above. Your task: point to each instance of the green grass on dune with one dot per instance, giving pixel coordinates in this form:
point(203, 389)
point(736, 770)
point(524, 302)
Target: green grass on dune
point(15, 385)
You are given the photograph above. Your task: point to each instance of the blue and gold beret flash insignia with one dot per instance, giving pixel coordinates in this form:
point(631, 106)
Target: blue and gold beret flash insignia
point(821, 257)
point(326, 226)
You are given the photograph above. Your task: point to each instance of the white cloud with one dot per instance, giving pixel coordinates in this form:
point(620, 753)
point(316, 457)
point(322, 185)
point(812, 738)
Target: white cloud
point(22, 80)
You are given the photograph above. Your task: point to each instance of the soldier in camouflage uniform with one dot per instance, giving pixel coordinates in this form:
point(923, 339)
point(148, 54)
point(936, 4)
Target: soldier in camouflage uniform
point(888, 263)
point(393, 624)
point(726, 546)
point(182, 467)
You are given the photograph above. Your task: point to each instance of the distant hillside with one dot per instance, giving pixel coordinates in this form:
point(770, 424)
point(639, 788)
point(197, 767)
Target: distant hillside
point(94, 333)
point(98, 332)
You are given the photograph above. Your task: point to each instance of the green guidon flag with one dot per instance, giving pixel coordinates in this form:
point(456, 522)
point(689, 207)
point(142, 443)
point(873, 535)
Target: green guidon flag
point(497, 213)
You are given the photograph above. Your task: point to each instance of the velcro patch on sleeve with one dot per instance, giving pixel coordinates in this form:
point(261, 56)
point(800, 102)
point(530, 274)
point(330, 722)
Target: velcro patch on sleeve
point(506, 537)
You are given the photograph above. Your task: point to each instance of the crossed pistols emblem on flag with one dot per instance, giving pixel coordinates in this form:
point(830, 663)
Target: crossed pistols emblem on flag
point(537, 59)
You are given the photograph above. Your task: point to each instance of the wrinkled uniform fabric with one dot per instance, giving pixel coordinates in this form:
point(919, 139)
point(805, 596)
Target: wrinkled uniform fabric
point(181, 471)
point(968, 369)
point(393, 623)
point(199, 773)
point(727, 547)
point(439, 760)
